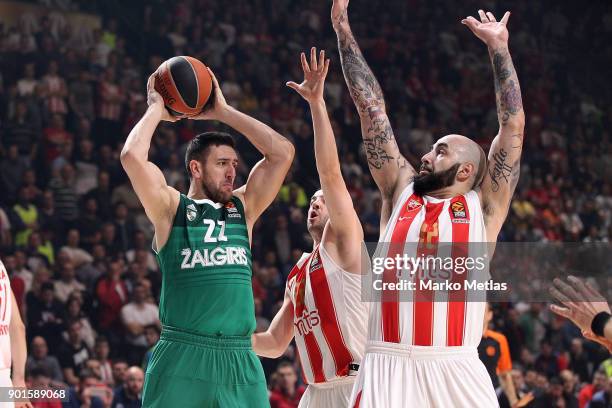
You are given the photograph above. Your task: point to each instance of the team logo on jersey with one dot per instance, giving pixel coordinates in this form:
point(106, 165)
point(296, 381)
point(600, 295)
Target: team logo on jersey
point(458, 209)
point(316, 262)
point(413, 204)
point(191, 212)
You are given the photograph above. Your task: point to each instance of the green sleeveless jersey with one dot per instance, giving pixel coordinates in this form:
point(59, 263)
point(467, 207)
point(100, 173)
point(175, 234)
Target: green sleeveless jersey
point(206, 270)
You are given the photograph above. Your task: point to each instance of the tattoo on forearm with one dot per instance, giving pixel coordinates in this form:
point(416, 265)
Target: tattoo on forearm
point(363, 86)
point(500, 171)
point(376, 140)
point(507, 89)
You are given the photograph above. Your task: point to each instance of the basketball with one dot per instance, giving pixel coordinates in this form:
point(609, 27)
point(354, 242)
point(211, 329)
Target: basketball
point(185, 84)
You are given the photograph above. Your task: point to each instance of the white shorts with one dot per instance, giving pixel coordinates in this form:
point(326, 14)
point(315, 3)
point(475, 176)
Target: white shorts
point(333, 394)
point(396, 375)
point(5, 381)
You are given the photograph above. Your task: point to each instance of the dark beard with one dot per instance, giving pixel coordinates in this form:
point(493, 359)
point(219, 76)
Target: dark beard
point(427, 183)
point(213, 193)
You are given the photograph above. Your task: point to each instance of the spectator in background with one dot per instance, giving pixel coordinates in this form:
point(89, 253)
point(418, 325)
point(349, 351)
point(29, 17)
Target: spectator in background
point(81, 96)
point(45, 315)
point(73, 353)
point(26, 216)
point(54, 90)
point(39, 359)
point(124, 226)
point(286, 393)
point(73, 250)
point(26, 86)
point(67, 282)
point(85, 393)
point(129, 394)
point(74, 312)
point(151, 333)
point(39, 379)
point(112, 294)
point(64, 195)
point(12, 169)
point(603, 398)
point(119, 372)
point(110, 103)
point(101, 353)
point(135, 316)
point(55, 137)
point(588, 390)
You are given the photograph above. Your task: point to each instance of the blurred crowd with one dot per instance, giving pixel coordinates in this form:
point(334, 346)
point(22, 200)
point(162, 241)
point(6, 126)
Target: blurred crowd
point(76, 243)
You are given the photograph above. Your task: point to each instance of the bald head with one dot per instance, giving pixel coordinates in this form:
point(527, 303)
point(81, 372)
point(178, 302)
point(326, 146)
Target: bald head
point(468, 151)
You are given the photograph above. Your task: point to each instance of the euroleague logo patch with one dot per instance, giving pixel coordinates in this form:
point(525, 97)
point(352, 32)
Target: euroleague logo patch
point(315, 263)
point(458, 210)
point(232, 211)
point(191, 212)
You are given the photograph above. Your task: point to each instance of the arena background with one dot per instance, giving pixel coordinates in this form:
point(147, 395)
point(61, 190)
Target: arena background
point(74, 237)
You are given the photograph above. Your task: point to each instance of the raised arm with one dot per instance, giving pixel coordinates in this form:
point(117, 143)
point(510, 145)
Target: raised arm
point(273, 342)
point(344, 225)
point(503, 172)
point(390, 170)
point(158, 199)
point(268, 174)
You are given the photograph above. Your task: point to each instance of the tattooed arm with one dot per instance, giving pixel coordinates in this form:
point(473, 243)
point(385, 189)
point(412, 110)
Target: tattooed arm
point(505, 154)
point(391, 171)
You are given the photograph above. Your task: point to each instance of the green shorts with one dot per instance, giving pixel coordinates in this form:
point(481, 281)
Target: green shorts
point(191, 370)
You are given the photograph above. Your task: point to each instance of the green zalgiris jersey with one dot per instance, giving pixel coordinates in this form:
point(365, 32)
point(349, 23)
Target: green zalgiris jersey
point(206, 270)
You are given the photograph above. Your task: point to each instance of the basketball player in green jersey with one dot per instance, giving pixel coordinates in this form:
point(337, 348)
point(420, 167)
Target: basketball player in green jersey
point(202, 241)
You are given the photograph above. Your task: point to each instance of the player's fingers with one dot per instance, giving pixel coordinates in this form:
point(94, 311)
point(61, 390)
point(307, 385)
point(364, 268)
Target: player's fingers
point(305, 66)
point(561, 311)
point(321, 61)
point(471, 23)
point(151, 82)
point(560, 296)
point(214, 78)
point(491, 17)
point(326, 68)
point(580, 288)
point(292, 85)
point(505, 18)
point(313, 58)
point(483, 16)
point(567, 290)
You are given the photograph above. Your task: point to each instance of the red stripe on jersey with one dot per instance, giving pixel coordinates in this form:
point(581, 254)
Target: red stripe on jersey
point(358, 400)
point(312, 348)
point(429, 237)
point(293, 272)
point(460, 217)
point(389, 301)
point(329, 320)
point(315, 357)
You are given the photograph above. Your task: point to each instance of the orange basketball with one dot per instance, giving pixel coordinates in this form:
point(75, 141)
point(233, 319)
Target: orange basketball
point(185, 84)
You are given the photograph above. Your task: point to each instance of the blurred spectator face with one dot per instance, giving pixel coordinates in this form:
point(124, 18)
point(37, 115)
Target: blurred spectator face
point(10, 263)
point(599, 381)
point(73, 238)
point(152, 336)
point(21, 109)
point(68, 271)
point(67, 173)
point(115, 268)
point(74, 332)
point(317, 214)
point(40, 381)
point(517, 378)
point(140, 294)
point(39, 348)
point(576, 346)
point(47, 295)
point(57, 121)
point(546, 349)
point(29, 71)
point(569, 380)
point(102, 350)
point(121, 211)
point(103, 180)
point(99, 252)
point(13, 152)
point(108, 232)
point(91, 206)
point(286, 378)
point(52, 70)
point(119, 371)
point(95, 367)
point(133, 380)
point(74, 307)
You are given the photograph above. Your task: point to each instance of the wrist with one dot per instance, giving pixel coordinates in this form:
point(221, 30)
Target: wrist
point(599, 323)
point(155, 111)
point(317, 102)
point(496, 45)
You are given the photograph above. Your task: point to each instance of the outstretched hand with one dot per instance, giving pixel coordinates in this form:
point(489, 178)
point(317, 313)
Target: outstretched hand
point(312, 86)
point(156, 101)
point(581, 302)
point(488, 29)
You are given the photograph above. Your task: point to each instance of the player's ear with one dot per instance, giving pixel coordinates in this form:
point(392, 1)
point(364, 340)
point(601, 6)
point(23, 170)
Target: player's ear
point(466, 170)
point(196, 169)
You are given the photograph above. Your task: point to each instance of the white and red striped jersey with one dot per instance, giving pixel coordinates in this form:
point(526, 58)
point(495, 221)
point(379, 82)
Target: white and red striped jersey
point(329, 321)
point(5, 318)
point(423, 225)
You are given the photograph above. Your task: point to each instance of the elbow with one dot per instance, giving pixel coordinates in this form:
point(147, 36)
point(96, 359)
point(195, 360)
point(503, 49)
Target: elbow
point(516, 124)
point(288, 150)
point(127, 157)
